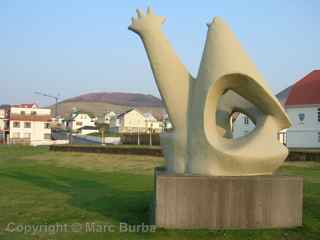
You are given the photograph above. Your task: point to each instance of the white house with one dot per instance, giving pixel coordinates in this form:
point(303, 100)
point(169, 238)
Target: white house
point(29, 124)
point(167, 125)
point(108, 116)
point(303, 108)
point(78, 120)
point(242, 126)
point(152, 123)
point(129, 121)
point(302, 104)
point(4, 124)
point(134, 120)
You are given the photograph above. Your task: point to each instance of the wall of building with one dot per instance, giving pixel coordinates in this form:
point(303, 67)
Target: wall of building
point(133, 119)
point(30, 130)
point(310, 120)
point(2, 119)
point(242, 127)
point(39, 111)
point(37, 131)
point(88, 131)
point(303, 139)
point(305, 130)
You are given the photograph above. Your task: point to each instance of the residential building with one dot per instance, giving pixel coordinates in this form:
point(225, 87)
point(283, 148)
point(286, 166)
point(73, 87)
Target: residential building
point(29, 124)
point(152, 123)
point(4, 124)
point(167, 125)
point(78, 120)
point(134, 120)
point(302, 104)
point(108, 116)
point(129, 121)
point(303, 108)
point(242, 125)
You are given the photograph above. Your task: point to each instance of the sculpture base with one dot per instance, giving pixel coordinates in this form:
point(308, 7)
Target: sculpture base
point(193, 202)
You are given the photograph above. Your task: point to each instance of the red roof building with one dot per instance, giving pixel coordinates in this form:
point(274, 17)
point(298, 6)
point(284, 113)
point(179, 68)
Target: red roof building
point(306, 91)
point(31, 118)
point(26, 105)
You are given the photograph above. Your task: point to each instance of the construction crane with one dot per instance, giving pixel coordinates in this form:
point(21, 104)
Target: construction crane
point(56, 98)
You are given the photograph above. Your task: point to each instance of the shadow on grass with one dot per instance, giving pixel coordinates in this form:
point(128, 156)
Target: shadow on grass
point(119, 196)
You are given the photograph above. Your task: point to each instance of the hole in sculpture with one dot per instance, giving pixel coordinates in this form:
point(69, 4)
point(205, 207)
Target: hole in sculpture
point(231, 120)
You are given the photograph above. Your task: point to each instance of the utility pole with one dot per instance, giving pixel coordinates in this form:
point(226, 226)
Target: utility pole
point(56, 98)
point(150, 131)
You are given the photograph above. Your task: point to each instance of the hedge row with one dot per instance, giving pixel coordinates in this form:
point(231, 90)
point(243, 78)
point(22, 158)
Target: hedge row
point(303, 156)
point(157, 151)
point(110, 149)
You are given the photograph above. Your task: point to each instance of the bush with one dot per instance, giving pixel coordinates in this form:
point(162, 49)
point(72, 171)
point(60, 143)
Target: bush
point(134, 150)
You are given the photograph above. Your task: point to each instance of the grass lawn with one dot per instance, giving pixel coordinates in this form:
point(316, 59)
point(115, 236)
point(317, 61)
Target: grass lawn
point(41, 187)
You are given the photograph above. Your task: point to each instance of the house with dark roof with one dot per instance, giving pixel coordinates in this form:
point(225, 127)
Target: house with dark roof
point(78, 120)
point(302, 104)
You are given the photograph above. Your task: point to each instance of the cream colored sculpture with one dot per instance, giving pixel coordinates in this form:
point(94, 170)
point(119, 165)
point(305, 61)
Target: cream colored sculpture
point(200, 109)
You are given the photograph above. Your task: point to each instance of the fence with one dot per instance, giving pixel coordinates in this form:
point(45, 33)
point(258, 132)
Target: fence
point(22, 141)
point(140, 139)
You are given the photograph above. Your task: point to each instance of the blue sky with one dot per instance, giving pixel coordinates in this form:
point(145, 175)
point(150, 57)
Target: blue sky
point(74, 47)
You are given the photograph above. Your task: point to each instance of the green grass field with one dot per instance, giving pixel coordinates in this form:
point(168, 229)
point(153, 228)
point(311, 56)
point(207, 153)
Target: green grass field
point(38, 187)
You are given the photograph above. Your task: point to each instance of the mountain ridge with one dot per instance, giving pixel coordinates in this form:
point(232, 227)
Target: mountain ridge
point(99, 103)
point(119, 98)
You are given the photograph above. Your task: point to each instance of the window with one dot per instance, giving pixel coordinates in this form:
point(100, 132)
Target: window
point(301, 117)
point(46, 125)
point(33, 113)
point(47, 136)
point(27, 125)
point(23, 113)
point(16, 124)
point(246, 120)
point(318, 114)
point(16, 135)
point(79, 123)
point(27, 135)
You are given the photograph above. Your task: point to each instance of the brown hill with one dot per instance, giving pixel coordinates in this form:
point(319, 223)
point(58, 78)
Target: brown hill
point(118, 98)
point(100, 103)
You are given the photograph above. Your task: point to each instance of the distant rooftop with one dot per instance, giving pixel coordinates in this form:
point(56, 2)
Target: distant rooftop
point(26, 105)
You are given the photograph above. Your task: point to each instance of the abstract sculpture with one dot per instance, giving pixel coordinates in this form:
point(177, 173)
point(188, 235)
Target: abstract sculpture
point(200, 109)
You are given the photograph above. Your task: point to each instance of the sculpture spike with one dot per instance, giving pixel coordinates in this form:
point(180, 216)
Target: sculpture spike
point(139, 13)
point(149, 11)
point(213, 21)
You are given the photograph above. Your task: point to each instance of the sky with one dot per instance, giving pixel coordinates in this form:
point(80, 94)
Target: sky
point(71, 47)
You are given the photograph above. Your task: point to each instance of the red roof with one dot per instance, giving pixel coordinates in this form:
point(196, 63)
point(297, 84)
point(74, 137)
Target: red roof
point(31, 118)
point(26, 105)
point(305, 91)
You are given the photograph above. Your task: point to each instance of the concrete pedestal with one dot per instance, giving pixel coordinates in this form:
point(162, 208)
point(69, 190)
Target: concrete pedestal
point(191, 202)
